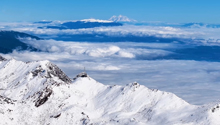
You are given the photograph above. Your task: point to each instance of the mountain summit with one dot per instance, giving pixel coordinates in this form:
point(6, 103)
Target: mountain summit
point(121, 18)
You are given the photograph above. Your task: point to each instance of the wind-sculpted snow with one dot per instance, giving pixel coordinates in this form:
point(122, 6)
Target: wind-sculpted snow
point(40, 93)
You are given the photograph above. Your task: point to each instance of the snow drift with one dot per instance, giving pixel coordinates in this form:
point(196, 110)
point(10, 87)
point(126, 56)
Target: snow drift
point(40, 93)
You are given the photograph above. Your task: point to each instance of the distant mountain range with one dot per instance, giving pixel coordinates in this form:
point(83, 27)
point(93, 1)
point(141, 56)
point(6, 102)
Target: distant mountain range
point(201, 25)
point(87, 23)
point(10, 40)
point(115, 21)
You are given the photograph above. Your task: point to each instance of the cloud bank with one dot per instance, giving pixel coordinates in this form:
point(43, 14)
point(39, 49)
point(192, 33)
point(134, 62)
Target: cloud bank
point(120, 50)
point(126, 62)
point(117, 63)
point(208, 34)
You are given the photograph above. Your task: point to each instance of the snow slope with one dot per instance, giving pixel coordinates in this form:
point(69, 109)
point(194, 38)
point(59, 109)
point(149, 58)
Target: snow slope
point(40, 93)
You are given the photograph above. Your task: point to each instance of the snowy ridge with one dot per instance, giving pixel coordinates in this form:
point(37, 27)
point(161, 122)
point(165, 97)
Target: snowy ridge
point(96, 20)
point(40, 93)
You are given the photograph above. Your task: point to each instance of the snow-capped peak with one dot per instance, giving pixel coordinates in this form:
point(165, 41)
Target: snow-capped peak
point(96, 20)
point(121, 18)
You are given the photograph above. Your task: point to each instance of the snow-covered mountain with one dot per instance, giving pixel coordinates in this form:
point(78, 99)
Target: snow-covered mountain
point(40, 93)
point(121, 18)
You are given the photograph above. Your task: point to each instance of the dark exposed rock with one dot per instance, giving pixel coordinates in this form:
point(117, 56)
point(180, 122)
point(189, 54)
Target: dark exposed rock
point(2, 58)
point(38, 70)
point(6, 100)
point(44, 96)
point(9, 110)
point(215, 108)
point(85, 121)
point(56, 116)
point(135, 85)
point(54, 70)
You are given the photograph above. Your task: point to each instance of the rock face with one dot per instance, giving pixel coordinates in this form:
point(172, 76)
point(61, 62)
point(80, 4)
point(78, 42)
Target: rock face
point(40, 93)
point(2, 58)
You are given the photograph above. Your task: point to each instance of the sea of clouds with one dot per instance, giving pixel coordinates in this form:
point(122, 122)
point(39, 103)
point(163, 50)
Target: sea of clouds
point(124, 62)
point(173, 31)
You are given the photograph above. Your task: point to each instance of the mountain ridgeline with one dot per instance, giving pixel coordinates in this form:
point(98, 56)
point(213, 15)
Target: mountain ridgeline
point(80, 25)
point(40, 93)
point(9, 41)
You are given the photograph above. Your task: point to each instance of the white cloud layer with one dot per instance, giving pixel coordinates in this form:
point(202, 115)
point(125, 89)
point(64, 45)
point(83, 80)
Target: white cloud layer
point(124, 50)
point(159, 31)
point(116, 63)
point(201, 32)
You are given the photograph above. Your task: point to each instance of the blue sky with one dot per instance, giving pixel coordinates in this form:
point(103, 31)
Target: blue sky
point(174, 11)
